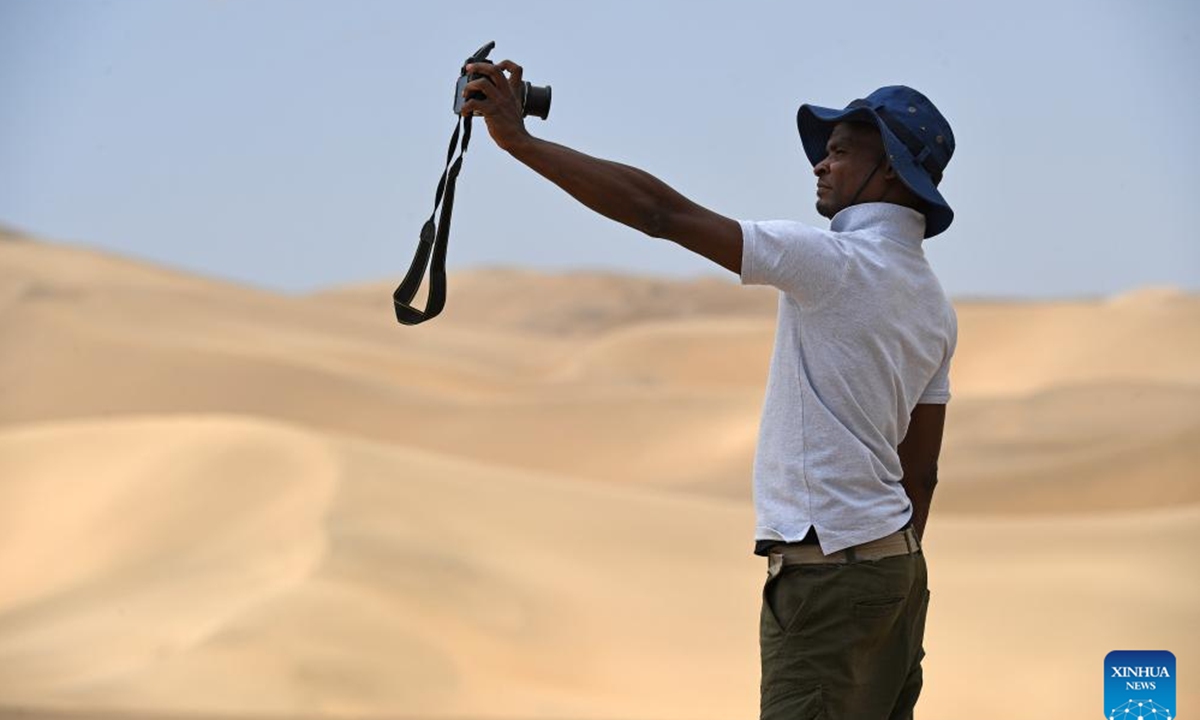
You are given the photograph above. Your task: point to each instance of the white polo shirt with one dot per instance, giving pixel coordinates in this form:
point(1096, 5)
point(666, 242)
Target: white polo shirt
point(865, 333)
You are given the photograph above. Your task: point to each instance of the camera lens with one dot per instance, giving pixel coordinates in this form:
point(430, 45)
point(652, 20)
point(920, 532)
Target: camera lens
point(537, 100)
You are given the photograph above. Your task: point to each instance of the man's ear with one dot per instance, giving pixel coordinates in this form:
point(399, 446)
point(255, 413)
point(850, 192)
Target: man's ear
point(889, 172)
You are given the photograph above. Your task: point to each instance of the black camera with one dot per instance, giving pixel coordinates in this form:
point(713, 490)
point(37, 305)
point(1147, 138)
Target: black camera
point(535, 99)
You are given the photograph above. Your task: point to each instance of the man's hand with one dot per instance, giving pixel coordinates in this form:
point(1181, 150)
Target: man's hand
point(501, 106)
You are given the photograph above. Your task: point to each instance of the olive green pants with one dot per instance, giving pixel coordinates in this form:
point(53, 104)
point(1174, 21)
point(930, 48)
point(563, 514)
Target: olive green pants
point(843, 642)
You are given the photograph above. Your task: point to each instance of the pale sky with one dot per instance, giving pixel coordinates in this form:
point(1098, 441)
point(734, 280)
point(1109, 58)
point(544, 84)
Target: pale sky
point(296, 145)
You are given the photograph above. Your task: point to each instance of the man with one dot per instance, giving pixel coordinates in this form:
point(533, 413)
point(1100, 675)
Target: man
point(855, 403)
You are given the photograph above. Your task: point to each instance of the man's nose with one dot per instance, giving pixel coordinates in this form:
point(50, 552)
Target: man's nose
point(821, 168)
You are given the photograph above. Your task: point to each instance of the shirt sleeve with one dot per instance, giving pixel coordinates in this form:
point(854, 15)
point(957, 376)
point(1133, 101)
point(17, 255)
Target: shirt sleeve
point(938, 390)
point(808, 263)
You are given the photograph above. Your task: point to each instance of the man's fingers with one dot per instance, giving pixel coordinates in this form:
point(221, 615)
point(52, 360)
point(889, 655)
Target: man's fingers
point(514, 70)
point(471, 107)
point(490, 72)
point(475, 106)
point(481, 86)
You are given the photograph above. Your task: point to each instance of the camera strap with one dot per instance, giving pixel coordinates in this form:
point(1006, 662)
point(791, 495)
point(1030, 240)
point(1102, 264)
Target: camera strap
point(433, 242)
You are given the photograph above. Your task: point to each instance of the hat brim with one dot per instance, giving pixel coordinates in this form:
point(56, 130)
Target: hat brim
point(816, 125)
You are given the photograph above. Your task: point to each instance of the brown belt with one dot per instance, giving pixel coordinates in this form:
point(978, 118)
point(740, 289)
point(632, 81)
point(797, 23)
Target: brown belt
point(901, 542)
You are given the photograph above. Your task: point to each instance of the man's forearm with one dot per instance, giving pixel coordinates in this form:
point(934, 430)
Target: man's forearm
point(626, 194)
point(919, 453)
point(920, 494)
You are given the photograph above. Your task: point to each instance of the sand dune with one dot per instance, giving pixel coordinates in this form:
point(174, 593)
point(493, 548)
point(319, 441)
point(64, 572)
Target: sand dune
point(360, 575)
point(1020, 348)
point(223, 501)
point(118, 538)
point(1074, 449)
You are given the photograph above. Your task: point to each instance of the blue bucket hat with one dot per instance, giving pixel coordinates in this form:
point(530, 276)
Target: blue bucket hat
point(916, 137)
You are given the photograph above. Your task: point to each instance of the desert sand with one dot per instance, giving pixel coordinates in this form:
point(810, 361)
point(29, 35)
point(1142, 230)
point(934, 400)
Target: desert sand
point(217, 501)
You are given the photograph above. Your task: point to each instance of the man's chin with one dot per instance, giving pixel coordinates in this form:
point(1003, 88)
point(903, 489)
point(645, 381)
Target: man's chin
point(826, 209)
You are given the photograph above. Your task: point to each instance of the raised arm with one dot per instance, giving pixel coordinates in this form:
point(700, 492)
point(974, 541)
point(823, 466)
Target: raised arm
point(919, 457)
point(620, 192)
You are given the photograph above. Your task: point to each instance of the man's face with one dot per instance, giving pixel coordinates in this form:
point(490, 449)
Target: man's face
point(853, 151)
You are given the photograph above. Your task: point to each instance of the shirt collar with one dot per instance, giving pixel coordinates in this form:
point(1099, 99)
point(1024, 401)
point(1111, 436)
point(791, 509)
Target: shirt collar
point(892, 221)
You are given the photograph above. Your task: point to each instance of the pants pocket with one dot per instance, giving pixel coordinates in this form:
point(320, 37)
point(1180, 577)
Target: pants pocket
point(781, 601)
point(770, 619)
point(786, 595)
point(878, 607)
